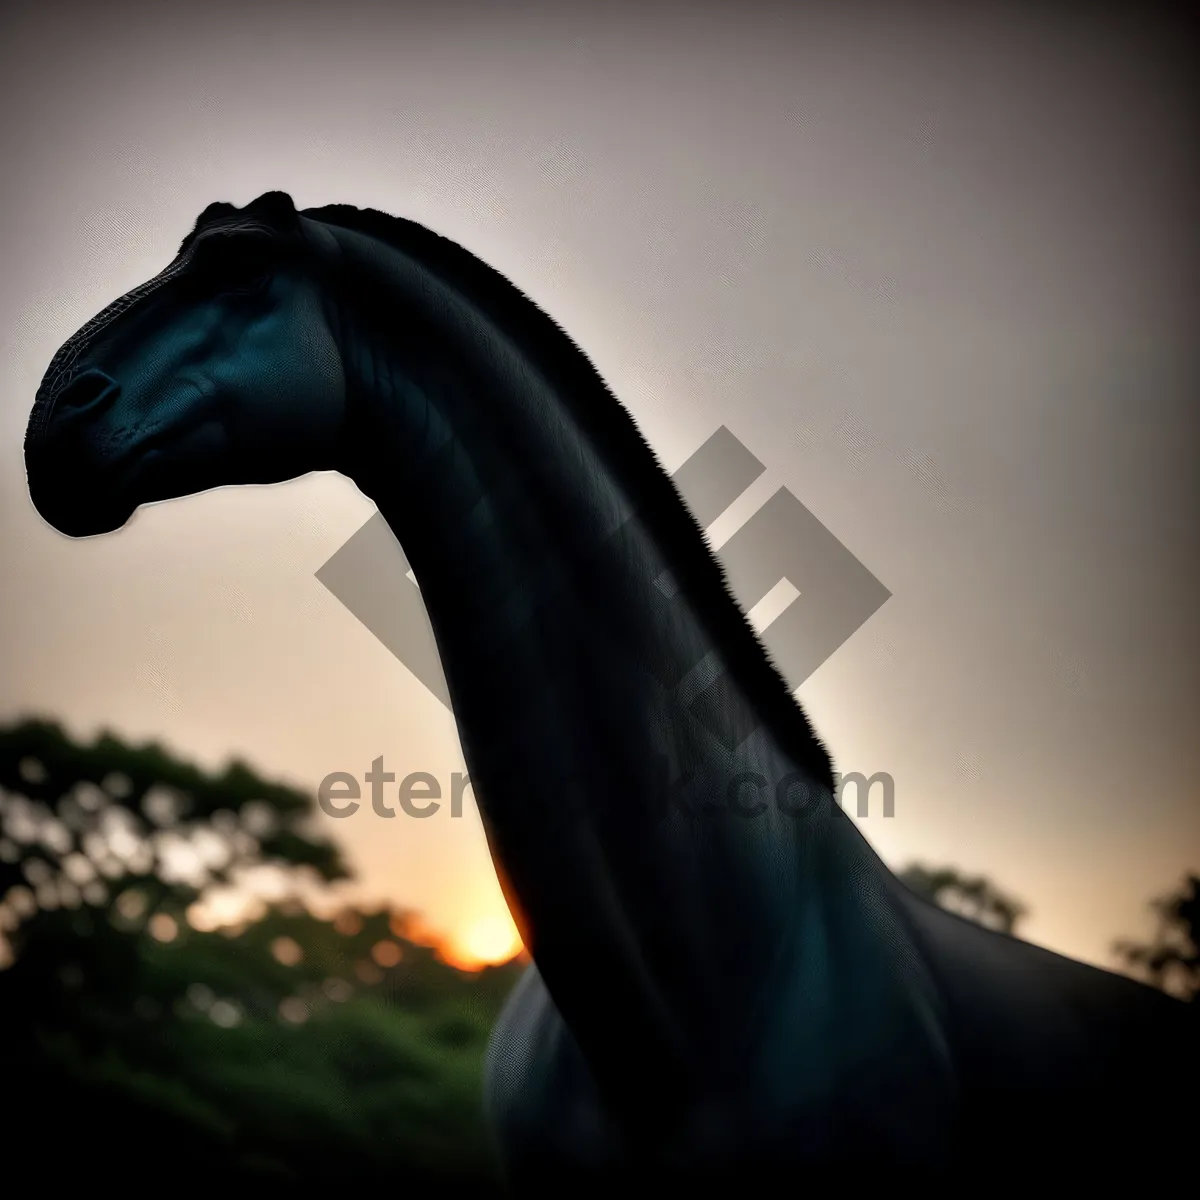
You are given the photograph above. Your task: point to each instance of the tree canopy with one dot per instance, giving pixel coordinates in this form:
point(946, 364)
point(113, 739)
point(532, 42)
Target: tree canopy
point(1171, 960)
point(972, 896)
point(295, 1047)
point(292, 1048)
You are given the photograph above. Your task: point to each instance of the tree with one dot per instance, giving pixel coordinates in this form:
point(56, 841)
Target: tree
point(294, 1048)
point(1172, 960)
point(83, 822)
point(102, 837)
point(975, 897)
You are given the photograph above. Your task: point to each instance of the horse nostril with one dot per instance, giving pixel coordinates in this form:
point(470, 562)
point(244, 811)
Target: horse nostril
point(84, 390)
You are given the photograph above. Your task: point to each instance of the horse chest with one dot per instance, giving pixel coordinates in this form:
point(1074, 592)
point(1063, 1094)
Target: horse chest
point(542, 1103)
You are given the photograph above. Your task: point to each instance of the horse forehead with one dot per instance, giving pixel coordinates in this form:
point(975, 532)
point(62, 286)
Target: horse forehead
point(246, 219)
point(150, 290)
point(237, 224)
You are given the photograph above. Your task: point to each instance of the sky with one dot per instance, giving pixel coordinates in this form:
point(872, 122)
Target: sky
point(933, 271)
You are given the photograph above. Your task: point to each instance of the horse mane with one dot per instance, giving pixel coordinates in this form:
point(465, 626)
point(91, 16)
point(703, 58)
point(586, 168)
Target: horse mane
point(652, 491)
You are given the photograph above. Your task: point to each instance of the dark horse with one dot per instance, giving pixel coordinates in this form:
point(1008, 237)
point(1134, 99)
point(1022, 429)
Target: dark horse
point(728, 981)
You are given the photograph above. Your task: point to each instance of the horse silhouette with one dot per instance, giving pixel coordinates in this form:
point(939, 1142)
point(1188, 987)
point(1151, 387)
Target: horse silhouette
point(728, 984)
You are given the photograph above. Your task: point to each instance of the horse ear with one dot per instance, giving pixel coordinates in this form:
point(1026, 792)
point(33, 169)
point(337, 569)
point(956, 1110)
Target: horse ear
point(213, 212)
point(219, 208)
point(277, 208)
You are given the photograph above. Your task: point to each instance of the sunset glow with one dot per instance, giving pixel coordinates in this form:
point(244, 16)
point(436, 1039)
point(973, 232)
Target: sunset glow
point(486, 942)
point(478, 942)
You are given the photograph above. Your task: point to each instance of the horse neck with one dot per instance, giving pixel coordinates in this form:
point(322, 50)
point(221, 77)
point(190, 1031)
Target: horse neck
point(600, 712)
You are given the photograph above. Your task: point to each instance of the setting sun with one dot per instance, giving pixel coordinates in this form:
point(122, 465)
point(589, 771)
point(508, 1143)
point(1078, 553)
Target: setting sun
point(487, 941)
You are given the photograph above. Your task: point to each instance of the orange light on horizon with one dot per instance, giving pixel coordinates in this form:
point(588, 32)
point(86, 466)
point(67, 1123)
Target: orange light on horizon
point(487, 942)
point(413, 927)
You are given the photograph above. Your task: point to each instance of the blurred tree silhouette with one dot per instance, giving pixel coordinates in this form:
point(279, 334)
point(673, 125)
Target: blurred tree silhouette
point(75, 816)
point(972, 896)
point(292, 1048)
point(1172, 960)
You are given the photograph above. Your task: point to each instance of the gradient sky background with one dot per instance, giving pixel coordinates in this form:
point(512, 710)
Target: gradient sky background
point(935, 273)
